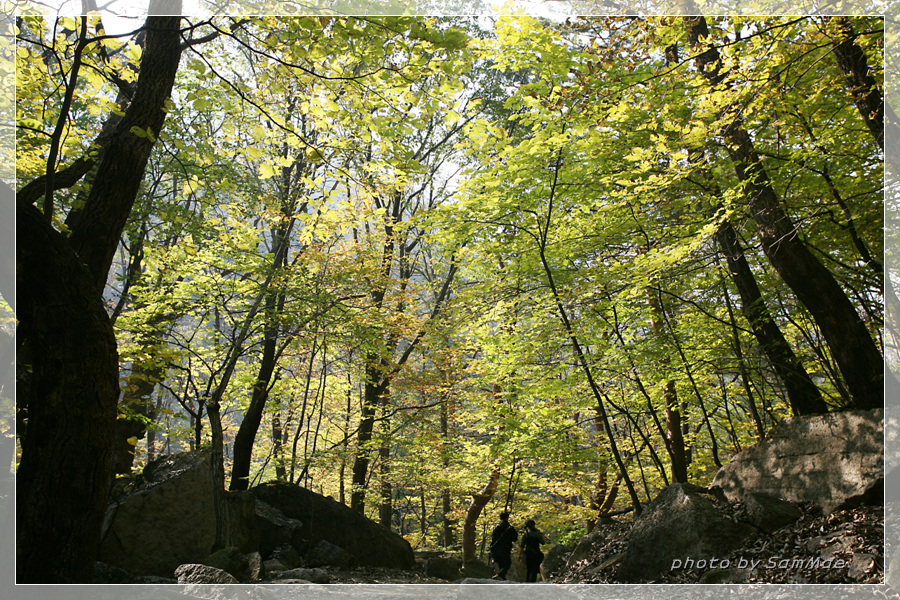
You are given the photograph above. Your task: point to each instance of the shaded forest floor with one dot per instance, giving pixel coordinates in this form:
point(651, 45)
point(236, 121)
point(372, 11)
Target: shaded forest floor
point(855, 536)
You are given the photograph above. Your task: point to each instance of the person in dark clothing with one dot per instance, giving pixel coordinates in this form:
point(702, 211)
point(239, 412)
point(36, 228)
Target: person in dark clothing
point(531, 548)
point(502, 539)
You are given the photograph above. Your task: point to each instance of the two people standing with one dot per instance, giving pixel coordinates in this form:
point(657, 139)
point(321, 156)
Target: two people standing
point(502, 539)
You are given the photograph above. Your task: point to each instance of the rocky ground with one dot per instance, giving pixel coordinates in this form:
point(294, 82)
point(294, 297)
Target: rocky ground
point(853, 540)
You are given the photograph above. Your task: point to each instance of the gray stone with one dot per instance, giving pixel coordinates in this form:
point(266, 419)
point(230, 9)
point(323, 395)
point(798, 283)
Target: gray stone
point(326, 554)
point(367, 542)
point(681, 523)
point(835, 460)
point(275, 531)
point(256, 570)
point(310, 575)
point(168, 520)
point(287, 555)
point(202, 574)
point(273, 565)
point(443, 567)
point(231, 560)
point(585, 547)
point(860, 566)
point(768, 512)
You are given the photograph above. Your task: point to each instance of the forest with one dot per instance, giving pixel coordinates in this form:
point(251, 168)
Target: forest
point(438, 267)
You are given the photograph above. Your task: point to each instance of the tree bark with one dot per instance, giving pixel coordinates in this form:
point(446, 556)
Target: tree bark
point(674, 423)
point(63, 478)
point(246, 435)
point(814, 285)
point(851, 60)
point(97, 231)
point(803, 395)
point(479, 501)
point(64, 473)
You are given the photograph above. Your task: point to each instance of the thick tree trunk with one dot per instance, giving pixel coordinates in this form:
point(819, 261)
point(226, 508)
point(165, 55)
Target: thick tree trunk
point(479, 501)
point(220, 509)
point(803, 395)
point(814, 285)
point(64, 473)
point(63, 478)
point(97, 231)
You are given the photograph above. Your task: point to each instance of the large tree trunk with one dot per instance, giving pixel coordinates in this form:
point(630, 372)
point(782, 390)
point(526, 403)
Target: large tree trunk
point(64, 474)
point(803, 395)
point(63, 478)
point(814, 285)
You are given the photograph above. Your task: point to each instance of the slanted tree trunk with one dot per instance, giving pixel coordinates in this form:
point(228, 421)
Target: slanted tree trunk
point(803, 395)
point(479, 501)
point(851, 60)
point(856, 354)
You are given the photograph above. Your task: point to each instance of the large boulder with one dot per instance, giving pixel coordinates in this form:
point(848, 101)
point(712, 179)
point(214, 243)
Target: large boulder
point(367, 542)
point(276, 530)
point(168, 519)
point(682, 523)
point(835, 460)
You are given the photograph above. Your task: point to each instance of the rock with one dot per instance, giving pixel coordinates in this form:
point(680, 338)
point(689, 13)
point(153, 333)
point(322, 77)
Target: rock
point(167, 519)
point(768, 512)
point(585, 547)
point(555, 559)
point(682, 523)
point(835, 460)
point(326, 554)
point(274, 565)
point(309, 575)
point(443, 567)
point(230, 560)
point(367, 542)
point(276, 530)
point(255, 568)
point(202, 574)
point(860, 566)
point(476, 569)
point(287, 555)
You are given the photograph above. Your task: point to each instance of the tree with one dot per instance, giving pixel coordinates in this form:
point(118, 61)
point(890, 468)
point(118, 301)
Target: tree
point(850, 343)
point(73, 394)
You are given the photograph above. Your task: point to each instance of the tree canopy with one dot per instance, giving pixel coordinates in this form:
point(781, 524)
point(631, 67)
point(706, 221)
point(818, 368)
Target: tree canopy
point(431, 266)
